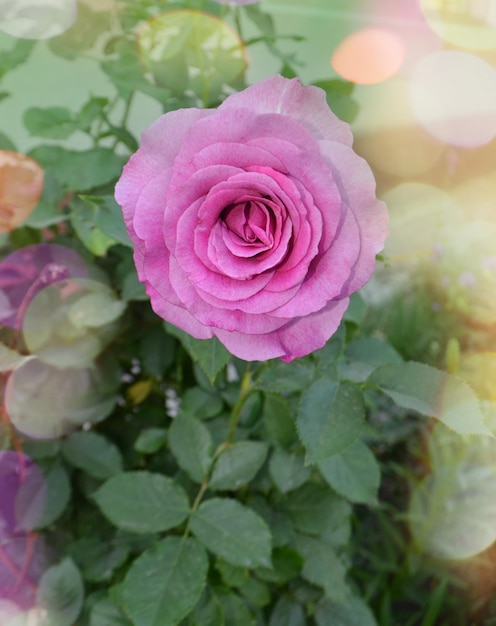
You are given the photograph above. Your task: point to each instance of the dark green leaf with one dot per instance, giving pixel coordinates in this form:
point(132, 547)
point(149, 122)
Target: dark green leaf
point(60, 594)
point(143, 502)
point(238, 464)
point(98, 559)
point(314, 509)
point(433, 393)
point(191, 444)
point(279, 420)
point(286, 565)
point(200, 403)
point(354, 474)
point(286, 377)
point(287, 470)
point(287, 613)
point(353, 612)
point(50, 122)
point(330, 417)
point(322, 567)
point(105, 613)
point(151, 440)
point(209, 353)
point(93, 453)
point(164, 583)
point(157, 350)
point(233, 532)
point(365, 355)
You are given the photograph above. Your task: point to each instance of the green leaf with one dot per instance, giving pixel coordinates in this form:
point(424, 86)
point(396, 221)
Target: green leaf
point(191, 444)
point(357, 310)
point(238, 464)
point(279, 420)
point(286, 565)
point(105, 613)
point(18, 54)
point(164, 584)
point(286, 377)
point(6, 143)
point(156, 350)
point(50, 122)
point(45, 214)
point(429, 391)
point(150, 440)
point(96, 309)
point(79, 170)
point(287, 613)
point(365, 355)
point(60, 594)
point(315, 510)
point(209, 353)
point(355, 473)
point(235, 611)
point(93, 453)
point(330, 417)
point(287, 470)
point(108, 217)
point(83, 221)
point(58, 493)
point(322, 567)
point(91, 111)
point(200, 403)
point(98, 559)
point(143, 502)
point(353, 612)
point(233, 532)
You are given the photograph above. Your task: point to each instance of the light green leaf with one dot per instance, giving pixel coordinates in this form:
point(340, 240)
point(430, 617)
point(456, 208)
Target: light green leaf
point(238, 464)
point(191, 444)
point(322, 567)
point(165, 582)
point(45, 214)
point(354, 474)
point(96, 309)
point(10, 359)
point(315, 510)
point(60, 594)
point(209, 353)
point(50, 122)
point(83, 221)
point(108, 217)
point(330, 417)
point(352, 612)
point(143, 502)
point(93, 453)
point(233, 532)
point(287, 470)
point(286, 377)
point(433, 393)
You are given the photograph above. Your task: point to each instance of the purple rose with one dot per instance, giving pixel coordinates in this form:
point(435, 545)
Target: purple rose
point(253, 222)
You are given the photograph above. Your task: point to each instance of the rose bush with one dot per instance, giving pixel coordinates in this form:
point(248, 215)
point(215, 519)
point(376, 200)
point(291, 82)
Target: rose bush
point(253, 222)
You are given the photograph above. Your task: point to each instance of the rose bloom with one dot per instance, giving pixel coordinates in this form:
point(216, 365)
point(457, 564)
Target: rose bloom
point(253, 222)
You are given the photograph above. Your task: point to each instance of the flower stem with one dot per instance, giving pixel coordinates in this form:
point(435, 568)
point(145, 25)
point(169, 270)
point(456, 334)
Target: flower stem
point(236, 412)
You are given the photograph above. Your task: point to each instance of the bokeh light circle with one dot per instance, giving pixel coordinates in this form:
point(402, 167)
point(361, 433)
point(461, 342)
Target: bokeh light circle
point(369, 56)
point(421, 218)
point(45, 402)
point(70, 322)
point(21, 184)
point(469, 25)
point(37, 19)
point(387, 134)
point(27, 271)
point(453, 96)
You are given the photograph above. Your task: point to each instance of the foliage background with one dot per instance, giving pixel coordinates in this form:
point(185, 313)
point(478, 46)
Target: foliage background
point(192, 488)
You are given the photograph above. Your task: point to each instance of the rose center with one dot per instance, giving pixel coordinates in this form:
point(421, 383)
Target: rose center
point(252, 223)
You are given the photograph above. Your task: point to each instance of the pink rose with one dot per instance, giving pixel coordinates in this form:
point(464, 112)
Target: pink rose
point(255, 221)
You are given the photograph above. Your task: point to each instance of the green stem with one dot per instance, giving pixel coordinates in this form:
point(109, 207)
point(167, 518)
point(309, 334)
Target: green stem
point(236, 412)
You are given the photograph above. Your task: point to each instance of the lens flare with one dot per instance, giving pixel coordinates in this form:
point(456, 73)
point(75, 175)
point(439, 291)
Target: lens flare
point(37, 19)
point(453, 96)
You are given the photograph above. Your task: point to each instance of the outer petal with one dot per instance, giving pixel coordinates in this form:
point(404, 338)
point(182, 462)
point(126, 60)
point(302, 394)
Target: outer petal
point(307, 105)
